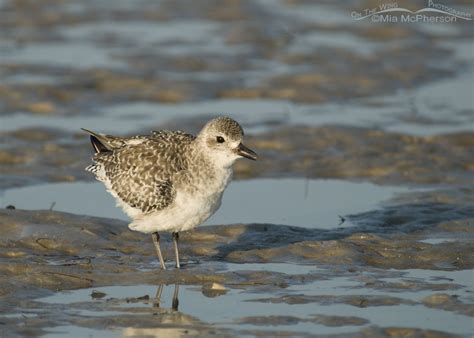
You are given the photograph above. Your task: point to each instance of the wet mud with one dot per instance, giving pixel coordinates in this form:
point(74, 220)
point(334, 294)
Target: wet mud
point(38, 155)
point(48, 251)
point(320, 96)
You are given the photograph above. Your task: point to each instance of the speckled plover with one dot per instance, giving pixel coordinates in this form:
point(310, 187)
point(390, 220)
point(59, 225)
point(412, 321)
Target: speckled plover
point(169, 180)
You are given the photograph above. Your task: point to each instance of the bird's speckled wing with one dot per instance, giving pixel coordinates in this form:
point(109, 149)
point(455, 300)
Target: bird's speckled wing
point(141, 170)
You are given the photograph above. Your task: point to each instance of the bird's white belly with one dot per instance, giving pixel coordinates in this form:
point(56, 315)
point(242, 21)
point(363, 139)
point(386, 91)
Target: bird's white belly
point(186, 212)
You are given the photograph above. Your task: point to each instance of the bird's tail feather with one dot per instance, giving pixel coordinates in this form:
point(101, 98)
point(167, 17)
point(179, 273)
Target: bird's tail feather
point(98, 141)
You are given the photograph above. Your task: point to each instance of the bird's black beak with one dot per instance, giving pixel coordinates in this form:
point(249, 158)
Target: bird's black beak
point(246, 152)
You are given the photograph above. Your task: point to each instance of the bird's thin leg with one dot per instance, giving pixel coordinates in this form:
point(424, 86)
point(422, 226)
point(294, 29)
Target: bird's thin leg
point(175, 298)
point(176, 253)
point(159, 291)
point(156, 241)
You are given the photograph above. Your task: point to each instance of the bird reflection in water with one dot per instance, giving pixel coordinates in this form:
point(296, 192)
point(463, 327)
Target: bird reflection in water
point(168, 322)
point(159, 292)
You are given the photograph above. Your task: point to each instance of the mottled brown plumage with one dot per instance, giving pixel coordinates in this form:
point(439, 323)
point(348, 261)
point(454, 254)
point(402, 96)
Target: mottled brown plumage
point(133, 169)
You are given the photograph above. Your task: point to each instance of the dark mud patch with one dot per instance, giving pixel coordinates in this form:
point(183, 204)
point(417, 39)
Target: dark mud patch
point(358, 301)
point(39, 155)
point(383, 157)
point(35, 155)
point(369, 75)
point(289, 320)
point(449, 303)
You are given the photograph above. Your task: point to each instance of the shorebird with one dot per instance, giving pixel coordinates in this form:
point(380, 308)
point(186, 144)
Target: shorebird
point(169, 180)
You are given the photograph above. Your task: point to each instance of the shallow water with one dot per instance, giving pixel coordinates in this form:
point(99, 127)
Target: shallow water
point(245, 304)
point(137, 116)
point(290, 201)
point(192, 302)
point(139, 32)
point(65, 54)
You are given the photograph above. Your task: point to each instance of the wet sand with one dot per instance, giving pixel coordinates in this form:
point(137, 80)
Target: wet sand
point(360, 211)
point(303, 270)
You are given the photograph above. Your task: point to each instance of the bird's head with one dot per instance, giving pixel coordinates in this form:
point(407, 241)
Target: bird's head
point(223, 137)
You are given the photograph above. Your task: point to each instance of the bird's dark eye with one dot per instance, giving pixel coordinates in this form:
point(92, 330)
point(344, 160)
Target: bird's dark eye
point(220, 139)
